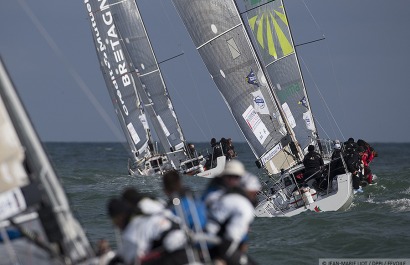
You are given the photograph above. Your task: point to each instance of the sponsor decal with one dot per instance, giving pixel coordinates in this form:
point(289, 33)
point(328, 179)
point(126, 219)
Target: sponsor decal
point(110, 48)
point(252, 79)
point(285, 92)
point(307, 117)
point(259, 102)
point(303, 101)
point(255, 124)
point(269, 155)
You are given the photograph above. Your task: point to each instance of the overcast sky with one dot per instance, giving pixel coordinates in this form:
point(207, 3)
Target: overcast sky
point(361, 69)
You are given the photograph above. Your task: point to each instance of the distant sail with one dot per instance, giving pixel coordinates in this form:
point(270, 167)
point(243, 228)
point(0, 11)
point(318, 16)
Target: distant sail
point(118, 75)
point(154, 94)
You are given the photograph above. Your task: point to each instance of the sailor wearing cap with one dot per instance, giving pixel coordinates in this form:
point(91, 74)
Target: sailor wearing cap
point(232, 214)
point(229, 178)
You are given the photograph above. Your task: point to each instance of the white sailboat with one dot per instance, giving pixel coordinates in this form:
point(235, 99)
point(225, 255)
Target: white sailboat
point(36, 222)
point(254, 64)
point(127, 58)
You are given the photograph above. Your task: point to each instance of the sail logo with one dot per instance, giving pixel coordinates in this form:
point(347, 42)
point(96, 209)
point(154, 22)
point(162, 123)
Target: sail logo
point(255, 123)
point(272, 153)
point(252, 79)
point(116, 68)
point(303, 101)
point(271, 30)
point(259, 102)
point(285, 92)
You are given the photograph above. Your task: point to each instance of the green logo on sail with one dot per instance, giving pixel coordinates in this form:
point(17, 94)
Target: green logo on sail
point(271, 30)
point(289, 91)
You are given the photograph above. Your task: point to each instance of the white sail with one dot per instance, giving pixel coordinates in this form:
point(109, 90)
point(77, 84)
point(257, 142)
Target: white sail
point(32, 200)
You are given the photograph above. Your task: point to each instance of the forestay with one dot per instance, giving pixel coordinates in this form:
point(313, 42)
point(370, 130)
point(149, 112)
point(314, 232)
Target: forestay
point(119, 76)
point(217, 31)
point(269, 24)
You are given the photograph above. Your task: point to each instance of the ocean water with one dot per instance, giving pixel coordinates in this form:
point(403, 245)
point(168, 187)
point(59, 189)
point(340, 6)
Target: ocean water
point(377, 225)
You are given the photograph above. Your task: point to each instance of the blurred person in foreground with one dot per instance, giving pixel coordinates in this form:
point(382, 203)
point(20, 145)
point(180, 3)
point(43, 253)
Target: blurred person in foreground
point(231, 214)
point(149, 236)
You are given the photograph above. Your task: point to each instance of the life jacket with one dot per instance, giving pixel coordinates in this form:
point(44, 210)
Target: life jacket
point(223, 225)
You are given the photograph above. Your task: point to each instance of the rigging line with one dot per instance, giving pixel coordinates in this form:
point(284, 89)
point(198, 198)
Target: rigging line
point(331, 61)
point(205, 118)
point(173, 57)
point(323, 99)
point(320, 125)
point(309, 42)
point(199, 99)
point(337, 85)
point(169, 81)
point(313, 18)
point(74, 74)
point(219, 35)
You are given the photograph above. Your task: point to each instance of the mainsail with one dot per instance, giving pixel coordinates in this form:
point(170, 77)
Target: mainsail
point(120, 78)
point(222, 40)
point(268, 22)
point(121, 39)
point(154, 95)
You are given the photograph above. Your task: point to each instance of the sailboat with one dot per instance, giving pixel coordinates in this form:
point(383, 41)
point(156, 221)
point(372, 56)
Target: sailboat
point(254, 64)
point(138, 90)
point(37, 225)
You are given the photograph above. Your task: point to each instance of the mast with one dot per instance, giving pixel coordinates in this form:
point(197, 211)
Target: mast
point(274, 42)
point(160, 74)
point(154, 95)
point(269, 82)
point(122, 86)
point(221, 38)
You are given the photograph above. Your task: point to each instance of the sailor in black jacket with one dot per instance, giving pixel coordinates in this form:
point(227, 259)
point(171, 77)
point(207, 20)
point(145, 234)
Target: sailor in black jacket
point(313, 163)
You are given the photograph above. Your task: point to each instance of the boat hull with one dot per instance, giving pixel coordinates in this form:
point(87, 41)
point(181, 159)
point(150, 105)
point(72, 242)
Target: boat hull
point(339, 199)
point(213, 172)
point(155, 165)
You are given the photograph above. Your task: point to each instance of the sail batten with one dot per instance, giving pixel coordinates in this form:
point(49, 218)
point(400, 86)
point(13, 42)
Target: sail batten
point(217, 28)
point(282, 66)
point(118, 74)
point(154, 92)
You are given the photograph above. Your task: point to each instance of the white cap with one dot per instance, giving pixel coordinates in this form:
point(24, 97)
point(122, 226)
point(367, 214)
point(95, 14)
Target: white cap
point(234, 167)
point(250, 182)
point(337, 146)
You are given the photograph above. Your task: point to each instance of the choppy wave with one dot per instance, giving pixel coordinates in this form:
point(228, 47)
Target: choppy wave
point(376, 225)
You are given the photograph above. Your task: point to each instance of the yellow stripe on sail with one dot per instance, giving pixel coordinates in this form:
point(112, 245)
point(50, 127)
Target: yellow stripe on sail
point(282, 17)
point(283, 41)
point(271, 44)
point(259, 35)
point(252, 22)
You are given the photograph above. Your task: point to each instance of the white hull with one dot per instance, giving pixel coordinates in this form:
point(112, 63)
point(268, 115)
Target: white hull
point(338, 199)
point(213, 172)
point(151, 166)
